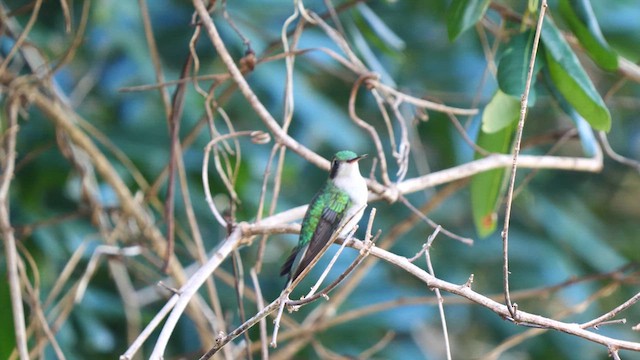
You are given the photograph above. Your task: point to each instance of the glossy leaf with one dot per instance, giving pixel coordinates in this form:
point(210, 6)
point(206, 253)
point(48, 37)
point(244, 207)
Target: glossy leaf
point(463, 14)
point(587, 138)
point(514, 65)
point(500, 112)
point(580, 17)
point(486, 187)
point(571, 80)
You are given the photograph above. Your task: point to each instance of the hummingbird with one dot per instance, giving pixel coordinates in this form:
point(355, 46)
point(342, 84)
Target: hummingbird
point(342, 199)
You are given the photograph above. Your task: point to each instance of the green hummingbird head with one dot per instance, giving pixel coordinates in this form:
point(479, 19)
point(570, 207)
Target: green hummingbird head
point(344, 157)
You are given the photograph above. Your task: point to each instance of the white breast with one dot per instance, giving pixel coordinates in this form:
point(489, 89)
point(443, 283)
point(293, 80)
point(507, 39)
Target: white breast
point(349, 179)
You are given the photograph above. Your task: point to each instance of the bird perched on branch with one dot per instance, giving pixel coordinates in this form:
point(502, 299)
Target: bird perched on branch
point(342, 199)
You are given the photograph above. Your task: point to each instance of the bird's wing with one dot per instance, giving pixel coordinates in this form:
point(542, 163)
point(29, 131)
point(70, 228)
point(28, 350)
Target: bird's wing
point(328, 223)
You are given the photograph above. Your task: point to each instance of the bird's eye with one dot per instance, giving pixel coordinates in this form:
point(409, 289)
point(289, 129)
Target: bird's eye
point(334, 168)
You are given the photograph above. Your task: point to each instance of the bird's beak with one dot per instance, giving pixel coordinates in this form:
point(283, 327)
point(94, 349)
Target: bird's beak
point(358, 158)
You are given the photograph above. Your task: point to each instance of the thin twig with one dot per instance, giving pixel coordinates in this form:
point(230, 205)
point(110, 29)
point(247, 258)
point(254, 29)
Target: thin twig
point(601, 319)
point(369, 128)
point(443, 320)
point(11, 252)
point(419, 102)
point(284, 297)
point(275, 305)
point(144, 335)
point(155, 56)
point(34, 293)
point(326, 271)
point(246, 90)
point(205, 171)
point(614, 155)
point(500, 309)
point(191, 287)
point(177, 106)
point(517, 339)
point(425, 218)
point(99, 252)
point(264, 346)
point(362, 312)
point(238, 276)
point(262, 245)
point(22, 38)
point(516, 152)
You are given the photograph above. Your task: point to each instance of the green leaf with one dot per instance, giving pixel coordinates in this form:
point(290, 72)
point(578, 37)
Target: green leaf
point(587, 139)
point(580, 17)
point(486, 187)
point(501, 111)
point(514, 65)
point(463, 14)
point(571, 79)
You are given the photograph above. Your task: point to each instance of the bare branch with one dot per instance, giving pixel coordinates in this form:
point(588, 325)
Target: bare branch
point(514, 166)
point(602, 319)
point(9, 240)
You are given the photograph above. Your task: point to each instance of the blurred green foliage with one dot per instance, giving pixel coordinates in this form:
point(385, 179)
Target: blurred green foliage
point(564, 224)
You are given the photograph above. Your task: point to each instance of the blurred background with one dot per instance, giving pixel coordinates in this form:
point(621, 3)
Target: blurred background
point(566, 226)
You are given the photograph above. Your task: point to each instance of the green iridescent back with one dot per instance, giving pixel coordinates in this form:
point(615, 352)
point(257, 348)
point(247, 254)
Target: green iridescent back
point(330, 197)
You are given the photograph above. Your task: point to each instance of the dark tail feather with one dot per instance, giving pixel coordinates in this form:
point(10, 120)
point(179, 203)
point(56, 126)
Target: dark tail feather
point(286, 267)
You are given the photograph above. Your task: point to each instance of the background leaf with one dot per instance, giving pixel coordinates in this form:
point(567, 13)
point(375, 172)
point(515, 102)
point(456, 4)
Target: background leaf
point(571, 79)
point(501, 111)
point(587, 138)
point(486, 187)
point(580, 17)
point(514, 64)
point(463, 14)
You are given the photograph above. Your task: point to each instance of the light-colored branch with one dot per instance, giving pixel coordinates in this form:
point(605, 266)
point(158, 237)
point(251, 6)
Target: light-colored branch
point(98, 253)
point(248, 93)
point(373, 133)
point(629, 69)
point(500, 161)
point(33, 294)
point(443, 320)
point(422, 103)
point(431, 281)
point(144, 335)
point(514, 165)
point(205, 172)
point(8, 234)
point(417, 184)
point(614, 155)
point(63, 118)
point(519, 338)
point(599, 320)
point(500, 309)
point(191, 287)
point(264, 341)
point(277, 303)
point(155, 56)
